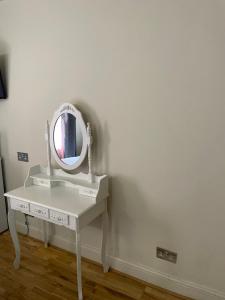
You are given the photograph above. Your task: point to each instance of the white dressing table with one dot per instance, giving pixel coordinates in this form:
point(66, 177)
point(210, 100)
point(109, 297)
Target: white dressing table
point(54, 196)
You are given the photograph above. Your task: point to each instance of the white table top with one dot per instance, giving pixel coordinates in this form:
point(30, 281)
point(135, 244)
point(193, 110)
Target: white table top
point(66, 200)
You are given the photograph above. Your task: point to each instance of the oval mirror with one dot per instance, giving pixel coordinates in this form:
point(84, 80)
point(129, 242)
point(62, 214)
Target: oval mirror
point(68, 137)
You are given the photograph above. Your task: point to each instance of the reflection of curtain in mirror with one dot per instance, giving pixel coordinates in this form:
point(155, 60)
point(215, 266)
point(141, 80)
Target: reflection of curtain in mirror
point(59, 136)
point(70, 135)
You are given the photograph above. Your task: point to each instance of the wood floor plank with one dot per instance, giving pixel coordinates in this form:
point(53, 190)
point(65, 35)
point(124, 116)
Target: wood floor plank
point(102, 292)
point(47, 274)
point(161, 294)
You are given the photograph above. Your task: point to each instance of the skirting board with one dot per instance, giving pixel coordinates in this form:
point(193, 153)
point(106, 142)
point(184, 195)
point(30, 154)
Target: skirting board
point(182, 287)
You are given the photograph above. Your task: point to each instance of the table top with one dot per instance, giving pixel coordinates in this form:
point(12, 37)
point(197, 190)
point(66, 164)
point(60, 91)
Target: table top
point(63, 199)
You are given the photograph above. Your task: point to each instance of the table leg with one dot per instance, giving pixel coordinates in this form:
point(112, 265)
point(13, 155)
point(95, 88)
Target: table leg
point(78, 253)
point(46, 233)
point(14, 236)
point(105, 221)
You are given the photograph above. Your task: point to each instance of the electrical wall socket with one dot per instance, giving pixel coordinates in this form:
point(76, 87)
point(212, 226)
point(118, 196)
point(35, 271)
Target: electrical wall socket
point(22, 156)
point(166, 255)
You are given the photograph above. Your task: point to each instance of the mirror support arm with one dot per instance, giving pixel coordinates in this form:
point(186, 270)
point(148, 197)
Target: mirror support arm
point(90, 141)
point(47, 137)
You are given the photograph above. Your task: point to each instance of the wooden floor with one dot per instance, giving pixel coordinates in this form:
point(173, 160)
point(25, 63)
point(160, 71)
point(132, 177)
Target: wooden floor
point(50, 274)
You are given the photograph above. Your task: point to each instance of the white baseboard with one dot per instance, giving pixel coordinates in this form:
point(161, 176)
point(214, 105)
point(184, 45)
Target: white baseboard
point(183, 287)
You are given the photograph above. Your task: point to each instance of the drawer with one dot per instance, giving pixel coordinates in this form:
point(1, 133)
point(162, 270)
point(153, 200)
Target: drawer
point(19, 205)
point(58, 217)
point(39, 210)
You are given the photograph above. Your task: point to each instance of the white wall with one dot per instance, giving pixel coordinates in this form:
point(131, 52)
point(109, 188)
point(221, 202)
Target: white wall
point(159, 64)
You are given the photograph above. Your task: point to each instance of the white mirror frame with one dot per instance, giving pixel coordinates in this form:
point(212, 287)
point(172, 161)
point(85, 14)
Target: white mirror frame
point(69, 108)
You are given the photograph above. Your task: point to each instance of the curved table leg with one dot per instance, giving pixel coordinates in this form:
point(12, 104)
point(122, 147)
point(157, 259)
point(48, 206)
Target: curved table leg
point(105, 221)
point(14, 236)
point(78, 254)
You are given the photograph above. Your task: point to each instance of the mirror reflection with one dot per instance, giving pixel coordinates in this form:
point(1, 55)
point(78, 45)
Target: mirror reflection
point(68, 139)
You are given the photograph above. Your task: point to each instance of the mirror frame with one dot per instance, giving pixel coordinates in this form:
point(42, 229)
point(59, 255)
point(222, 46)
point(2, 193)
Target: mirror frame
point(71, 109)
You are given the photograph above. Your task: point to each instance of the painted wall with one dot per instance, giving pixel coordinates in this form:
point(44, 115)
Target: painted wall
point(149, 75)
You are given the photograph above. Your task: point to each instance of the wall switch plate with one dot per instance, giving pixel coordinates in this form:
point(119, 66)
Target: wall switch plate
point(22, 156)
point(166, 255)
